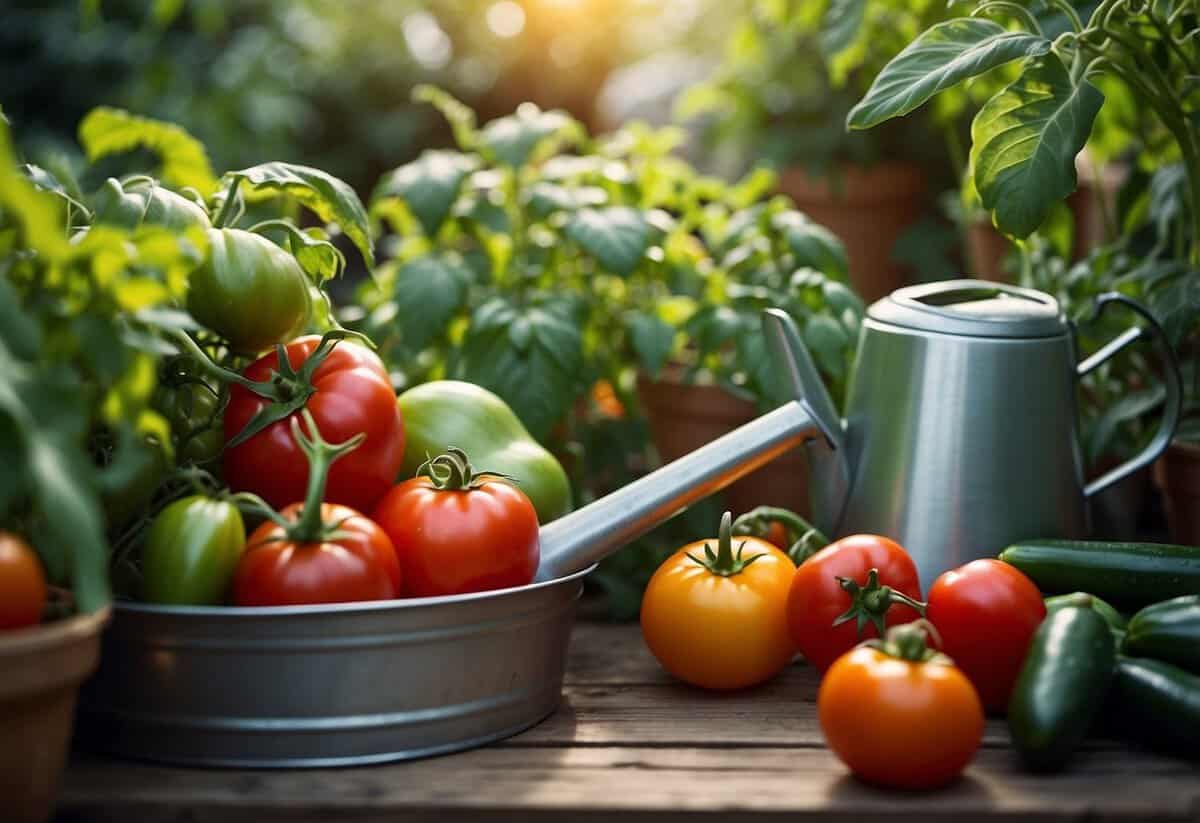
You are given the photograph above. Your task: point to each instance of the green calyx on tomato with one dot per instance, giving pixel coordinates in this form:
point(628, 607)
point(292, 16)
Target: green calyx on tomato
point(725, 562)
point(249, 290)
point(288, 388)
point(452, 471)
point(191, 551)
point(870, 601)
point(445, 413)
point(910, 641)
point(803, 539)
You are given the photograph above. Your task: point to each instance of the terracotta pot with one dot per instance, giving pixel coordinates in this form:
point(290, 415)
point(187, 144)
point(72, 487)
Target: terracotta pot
point(868, 207)
point(685, 417)
point(40, 672)
point(1177, 474)
point(986, 250)
point(1117, 510)
point(1086, 204)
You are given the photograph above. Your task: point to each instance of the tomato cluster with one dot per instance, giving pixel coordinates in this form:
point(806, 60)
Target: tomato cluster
point(337, 527)
point(905, 682)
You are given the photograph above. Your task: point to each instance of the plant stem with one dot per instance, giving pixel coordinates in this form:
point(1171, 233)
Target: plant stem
point(206, 365)
point(1066, 8)
point(227, 206)
point(1020, 12)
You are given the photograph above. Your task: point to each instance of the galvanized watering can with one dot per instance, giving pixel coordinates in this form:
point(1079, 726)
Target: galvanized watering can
point(959, 437)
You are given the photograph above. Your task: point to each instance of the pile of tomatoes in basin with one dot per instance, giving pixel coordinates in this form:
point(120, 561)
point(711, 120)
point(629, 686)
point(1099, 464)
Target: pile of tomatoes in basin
point(313, 443)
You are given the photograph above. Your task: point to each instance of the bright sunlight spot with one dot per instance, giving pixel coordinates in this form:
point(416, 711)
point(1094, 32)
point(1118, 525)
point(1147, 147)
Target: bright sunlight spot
point(506, 18)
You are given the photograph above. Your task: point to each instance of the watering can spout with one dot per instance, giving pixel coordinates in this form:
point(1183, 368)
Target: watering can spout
point(828, 462)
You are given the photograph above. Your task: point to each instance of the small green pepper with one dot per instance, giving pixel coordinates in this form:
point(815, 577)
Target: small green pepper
point(451, 413)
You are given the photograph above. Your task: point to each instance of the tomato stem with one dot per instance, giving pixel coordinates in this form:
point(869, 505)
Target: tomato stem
point(910, 641)
point(321, 455)
point(870, 601)
point(725, 562)
point(452, 471)
point(227, 207)
point(807, 538)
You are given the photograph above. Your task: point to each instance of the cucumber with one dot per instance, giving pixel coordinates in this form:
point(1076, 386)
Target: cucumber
point(1128, 575)
point(1158, 704)
point(1167, 631)
point(1062, 685)
point(1115, 620)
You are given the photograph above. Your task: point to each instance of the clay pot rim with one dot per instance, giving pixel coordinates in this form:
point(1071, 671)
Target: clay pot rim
point(46, 637)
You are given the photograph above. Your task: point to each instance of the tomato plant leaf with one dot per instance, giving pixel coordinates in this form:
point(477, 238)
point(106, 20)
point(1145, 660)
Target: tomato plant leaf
point(106, 131)
point(460, 116)
point(652, 340)
point(1024, 142)
point(513, 139)
point(540, 380)
point(429, 291)
point(546, 198)
point(429, 185)
point(812, 245)
point(329, 198)
point(941, 57)
point(617, 237)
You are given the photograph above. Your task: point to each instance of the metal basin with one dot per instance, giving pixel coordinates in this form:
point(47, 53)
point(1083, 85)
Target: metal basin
point(331, 685)
point(371, 682)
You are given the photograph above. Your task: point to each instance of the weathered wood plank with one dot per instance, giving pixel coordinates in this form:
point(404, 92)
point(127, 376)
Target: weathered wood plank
point(540, 784)
point(631, 743)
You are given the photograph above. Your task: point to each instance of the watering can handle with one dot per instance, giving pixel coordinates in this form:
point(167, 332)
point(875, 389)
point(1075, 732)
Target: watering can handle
point(1171, 379)
point(588, 535)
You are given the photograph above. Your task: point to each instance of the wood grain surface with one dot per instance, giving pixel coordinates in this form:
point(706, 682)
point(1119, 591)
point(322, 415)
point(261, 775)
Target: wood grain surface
point(629, 744)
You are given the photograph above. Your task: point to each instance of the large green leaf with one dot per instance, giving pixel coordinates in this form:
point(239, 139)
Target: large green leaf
point(429, 290)
point(531, 356)
point(1024, 141)
point(106, 131)
point(329, 198)
point(512, 139)
point(943, 56)
point(617, 237)
point(429, 185)
point(652, 340)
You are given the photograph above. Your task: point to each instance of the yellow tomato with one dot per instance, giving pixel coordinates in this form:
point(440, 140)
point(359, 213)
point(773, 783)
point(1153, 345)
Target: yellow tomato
point(718, 619)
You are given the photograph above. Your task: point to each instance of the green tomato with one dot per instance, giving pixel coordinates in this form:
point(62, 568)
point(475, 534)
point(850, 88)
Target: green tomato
point(191, 552)
point(446, 413)
point(249, 291)
point(143, 202)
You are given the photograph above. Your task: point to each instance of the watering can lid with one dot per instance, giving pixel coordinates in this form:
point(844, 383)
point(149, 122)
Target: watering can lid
point(975, 308)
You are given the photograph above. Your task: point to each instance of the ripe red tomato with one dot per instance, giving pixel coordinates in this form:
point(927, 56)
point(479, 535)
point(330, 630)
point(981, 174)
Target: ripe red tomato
point(353, 395)
point(471, 536)
point(817, 598)
point(358, 565)
point(898, 715)
point(22, 584)
point(986, 613)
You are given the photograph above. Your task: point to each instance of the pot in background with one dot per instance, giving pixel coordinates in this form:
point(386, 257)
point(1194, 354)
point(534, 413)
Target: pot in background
point(868, 207)
point(1096, 196)
point(986, 250)
point(683, 417)
point(1177, 474)
point(41, 669)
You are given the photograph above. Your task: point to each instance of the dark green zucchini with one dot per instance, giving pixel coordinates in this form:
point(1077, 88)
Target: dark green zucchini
point(1168, 631)
point(1158, 704)
point(1062, 685)
point(1128, 575)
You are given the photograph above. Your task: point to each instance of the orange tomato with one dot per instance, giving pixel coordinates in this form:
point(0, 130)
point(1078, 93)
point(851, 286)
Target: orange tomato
point(22, 584)
point(897, 722)
point(719, 619)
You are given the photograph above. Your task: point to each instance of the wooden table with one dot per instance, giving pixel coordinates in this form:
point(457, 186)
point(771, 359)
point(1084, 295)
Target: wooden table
point(629, 744)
